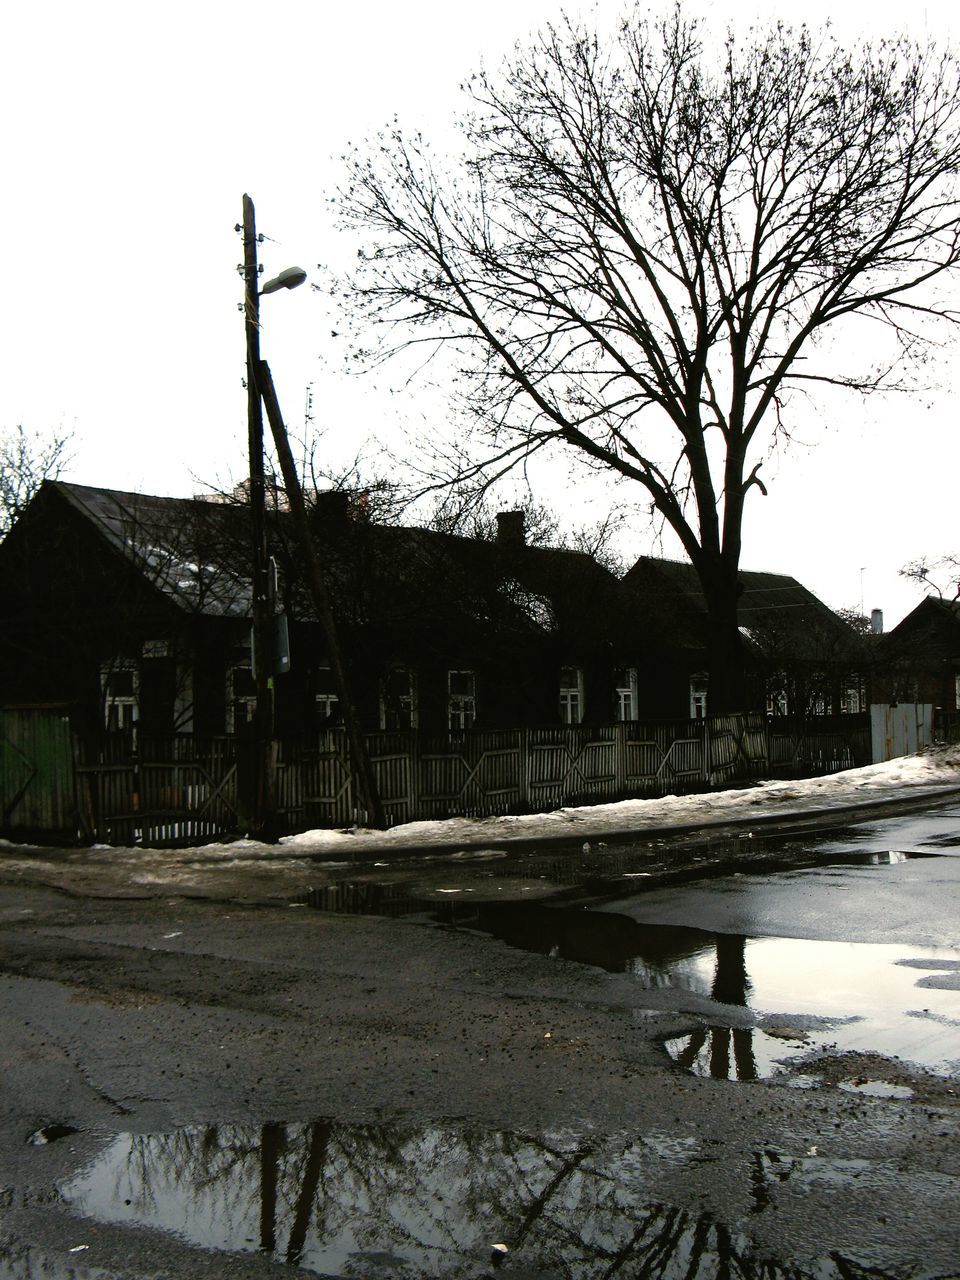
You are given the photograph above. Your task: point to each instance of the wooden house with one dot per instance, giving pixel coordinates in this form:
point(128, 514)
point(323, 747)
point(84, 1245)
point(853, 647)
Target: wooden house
point(801, 658)
point(135, 609)
point(132, 608)
point(919, 660)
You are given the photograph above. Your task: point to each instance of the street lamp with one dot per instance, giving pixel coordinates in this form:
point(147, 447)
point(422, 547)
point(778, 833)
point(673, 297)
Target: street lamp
point(265, 812)
point(260, 391)
point(291, 278)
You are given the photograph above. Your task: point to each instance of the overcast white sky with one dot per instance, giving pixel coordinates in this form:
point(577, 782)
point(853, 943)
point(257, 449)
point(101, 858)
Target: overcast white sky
point(132, 131)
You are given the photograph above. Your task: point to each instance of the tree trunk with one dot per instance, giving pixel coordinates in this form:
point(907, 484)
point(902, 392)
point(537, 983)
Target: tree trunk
point(726, 690)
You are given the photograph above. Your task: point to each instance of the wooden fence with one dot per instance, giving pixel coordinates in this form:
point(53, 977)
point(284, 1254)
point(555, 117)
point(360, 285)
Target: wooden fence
point(804, 748)
point(187, 789)
point(946, 726)
point(525, 770)
point(161, 790)
point(183, 789)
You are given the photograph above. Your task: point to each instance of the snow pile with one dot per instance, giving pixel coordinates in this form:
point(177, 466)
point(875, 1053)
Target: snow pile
point(930, 771)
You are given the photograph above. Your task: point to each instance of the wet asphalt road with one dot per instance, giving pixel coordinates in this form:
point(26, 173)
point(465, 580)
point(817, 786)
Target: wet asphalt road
point(254, 1085)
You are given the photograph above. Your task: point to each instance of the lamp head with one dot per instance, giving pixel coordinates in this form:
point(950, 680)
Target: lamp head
point(289, 279)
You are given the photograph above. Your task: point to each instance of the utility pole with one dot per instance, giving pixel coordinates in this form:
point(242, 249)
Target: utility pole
point(321, 599)
point(265, 810)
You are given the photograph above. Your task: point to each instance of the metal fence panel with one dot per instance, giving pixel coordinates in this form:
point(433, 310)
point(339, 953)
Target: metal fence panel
point(900, 728)
point(36, 773)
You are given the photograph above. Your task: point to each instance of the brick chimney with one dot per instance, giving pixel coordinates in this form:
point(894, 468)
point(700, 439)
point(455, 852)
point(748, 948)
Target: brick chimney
point(510, 529)
point(332, 508)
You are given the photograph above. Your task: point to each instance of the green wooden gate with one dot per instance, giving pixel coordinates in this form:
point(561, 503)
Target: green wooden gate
point(36, 773)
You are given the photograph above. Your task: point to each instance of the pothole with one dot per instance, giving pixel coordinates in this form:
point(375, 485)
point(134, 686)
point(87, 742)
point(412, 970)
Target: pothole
point(51, 1133)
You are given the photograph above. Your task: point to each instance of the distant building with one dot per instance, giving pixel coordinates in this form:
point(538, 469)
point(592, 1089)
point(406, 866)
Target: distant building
point(919, 660)
point(801, 658)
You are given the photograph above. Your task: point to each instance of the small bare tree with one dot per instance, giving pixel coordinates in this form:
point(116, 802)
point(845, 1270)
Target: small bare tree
point(25, 462)
point(645, 244)
point(941, 575)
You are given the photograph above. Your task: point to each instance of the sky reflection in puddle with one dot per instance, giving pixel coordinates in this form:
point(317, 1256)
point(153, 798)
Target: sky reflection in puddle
point(889, 999)
point(803, 996)
point(406, 1201)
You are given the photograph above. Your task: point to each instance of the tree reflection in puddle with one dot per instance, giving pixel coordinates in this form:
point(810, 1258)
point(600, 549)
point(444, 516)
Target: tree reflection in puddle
point(883, 998)
point(374, 1200)
point(806, 994)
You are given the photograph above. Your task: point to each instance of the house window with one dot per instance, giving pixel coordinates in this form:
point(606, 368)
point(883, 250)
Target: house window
point(461, 699)
point(156, 648)
point(777, 695)
point(325, 699)
point(698, 696)
point(851, 703)
point(956, 692)
point(241, 699)
point(627, 693)
point(398, 699)
point(571, 695)
point(119, 684)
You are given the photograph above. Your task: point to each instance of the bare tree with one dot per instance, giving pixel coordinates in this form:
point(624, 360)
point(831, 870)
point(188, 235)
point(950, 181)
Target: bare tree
point(856, 619)
point(25, 462)
point(940, 575)
point(647, 240)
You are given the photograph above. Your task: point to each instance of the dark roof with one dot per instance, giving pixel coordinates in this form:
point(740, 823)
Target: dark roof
point(197, 552)
point(191, 549)
point(777, 614)
point(931, 630)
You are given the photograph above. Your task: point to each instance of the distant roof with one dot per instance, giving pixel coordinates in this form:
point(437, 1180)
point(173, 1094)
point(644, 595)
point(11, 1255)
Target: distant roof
point(775, 611)
point(931, 630)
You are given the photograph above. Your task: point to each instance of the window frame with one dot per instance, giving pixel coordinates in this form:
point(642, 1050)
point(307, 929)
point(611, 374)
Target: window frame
point(326, 701)
point(234, 700)
point(462, 706)
point(571, 702)
point(699, 689)
point(129, 704)
point(406, 704)
point(626, 685)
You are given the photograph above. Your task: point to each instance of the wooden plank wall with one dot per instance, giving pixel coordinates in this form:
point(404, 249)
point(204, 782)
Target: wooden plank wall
point(799, 748)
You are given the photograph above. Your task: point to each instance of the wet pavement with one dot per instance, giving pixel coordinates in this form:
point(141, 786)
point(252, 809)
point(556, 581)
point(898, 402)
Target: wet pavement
point(818, 994)
point(732, 1058)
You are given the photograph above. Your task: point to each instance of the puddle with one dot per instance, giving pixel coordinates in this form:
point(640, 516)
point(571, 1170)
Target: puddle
point(807, 995)
point(443, 1201)
point(838, 997)
point(739, 1053)
point(593, 872)
point(804, 997)
point(876, 1088)
point(51, 1133)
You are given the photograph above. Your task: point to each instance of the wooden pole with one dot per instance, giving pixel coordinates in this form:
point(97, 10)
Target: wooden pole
point(265, 808)
point(321, 598)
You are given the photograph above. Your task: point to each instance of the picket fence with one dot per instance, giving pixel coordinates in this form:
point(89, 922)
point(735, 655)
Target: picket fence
point(186, 789)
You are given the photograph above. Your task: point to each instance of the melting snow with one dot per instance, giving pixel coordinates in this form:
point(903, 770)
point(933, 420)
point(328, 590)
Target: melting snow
point(931, 772)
